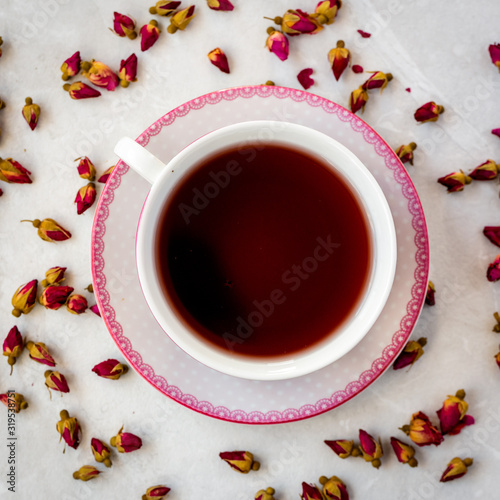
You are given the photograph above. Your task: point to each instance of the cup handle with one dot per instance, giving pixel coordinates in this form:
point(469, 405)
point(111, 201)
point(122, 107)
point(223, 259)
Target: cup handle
point(139, 158)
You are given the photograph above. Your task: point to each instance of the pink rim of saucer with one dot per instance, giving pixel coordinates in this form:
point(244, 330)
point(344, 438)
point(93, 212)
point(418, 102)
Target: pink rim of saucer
point(378, 366)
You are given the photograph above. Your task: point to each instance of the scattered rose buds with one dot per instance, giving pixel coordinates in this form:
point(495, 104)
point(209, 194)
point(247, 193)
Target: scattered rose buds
point(13, 346)
point(156, 492)
point(241, 461)
point(124, 26)
point(339, 59)
point(85, 198)
point(224, 5)
point(412, 351)
point(493, 271)
point(452, 416)
point(80, 90)
point(181, 19)
point(24, 298)
point(53, 276)
point(14, 401)
point(421, 431)
point(358, 100)
point(50, 230)
point(219, 59)
point(277, 43)
point(454, 182)
point(378, 80)
point(125, 442)
point(164, 8)
point(456, 468)
point(343, 448)
point(405, 453)
point(13, 172)
point(76, 304)
point(56, 381)
point(71, 66)
point(86, 169)
point(100, 74)
point(267, 494)
point(55, 296)
point(428, 112)
point(487, 171)
point(494, 50)
point(372, 450)
point(364, 34)
point(105, 176)
point(69, 429)
point(493, 234)
point(310, 492)
point(31, 113)
point(128, 71)
point(405, 153)
point(149, 35)
point(327, 10)
point(101, 452)
point(304, 78)
point(111, 368)
point(38, 352)
point(334, 488)
point(86, 473)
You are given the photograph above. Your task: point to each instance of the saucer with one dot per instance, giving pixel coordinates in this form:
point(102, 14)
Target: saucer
point(151, 352)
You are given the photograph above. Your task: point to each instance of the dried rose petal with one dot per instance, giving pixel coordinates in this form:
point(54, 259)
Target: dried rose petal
point(128, 70)
point(358, 100)
point(364, 34)
point(487, 171)
point(405, 152)
point(56, 381)
point(76, 304)
point(111, 368)
point(304, 78)
point(86, 473)
point(80, 90)
point(408, 89)
point(13, 346)
point(456, 468)
point(86, 169)
point(311, 492)
point(267, 494)
point(14, 401)
point(496, 131)
point(50, 230)
point(125, 442)
point(55, 296)
point(95, 310)
point(149, 35)
point(493, 272)
point(100, 74)
point(71, 66)
point(421, 431)
point(101, 451)
point(156, 493)
point(494, 50)
point(181, 19)
point(24, 298)
point(456, 181)
point(452, 416)
point(241, 461)
point(85, 198)
point(31, 113)
point(219, 59)
point(357, 68)
point(428, 112)
point(225, 5)
point(378, 80)
point(430, 299)
point(164, 8)
point(493, 234)
point(405, 453)
point(327, 10)
point(334, 488)
point(412, 351)
point(343, 448)
point(12, 171)
point(277, 43)
point(372, 450)
point(339, 59)
point(53, 276)
point(38, 352)
point(105, 176)
point(124, 26)
point(69, 429)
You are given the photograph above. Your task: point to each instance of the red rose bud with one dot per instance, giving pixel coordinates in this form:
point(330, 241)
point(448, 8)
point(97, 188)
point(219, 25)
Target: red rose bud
point(334, 488)
point(54, 276)
point(38, 352)
point(101, 452)
point(429, 112)
point(13, 346)
point(493, 234)
point(452, 416)
point(125, 442)
point(356, 68)
point(494, 50)
point(277, 43)
point(405, 153)
point(241, 461)
point(378, 80)
point(95, 310)
point(219, 59)
point(85, 198)
point(80, 90)
point(267, 494)
point(164, 8)
point(456, 468)
point(86, 473)
point(149, 35)
point(304, 78)
point(69, 429)
point(310, 492)
point(105, 176)
point(405, 453)
point(24, 298)
point(493, 272)
point(55, 296)
point(124, 26)
point(327, 10)
point(181, 19)
point(156, 492)
point(86, 169)
point(100, 74)
point(77, 304)
point(372, 450)
point(50, 230)
point(225, 5)
point(343, 448)
point(56, 381)
point(14, 401)
point(497, 358)
point(111, 368)
point(496, 131)
point(339, 59)
point(487, 171)
point(297, 22)
point(421, 431)
point(412, 351)
point(71, 66)
point(12, 171)
point(430, 299)
point(31, 113)
point(128, 70)
point(364, 34)
point(358, 100)
point(456, 181)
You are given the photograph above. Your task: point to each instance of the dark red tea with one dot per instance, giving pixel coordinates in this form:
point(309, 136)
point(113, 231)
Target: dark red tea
point(263, 251)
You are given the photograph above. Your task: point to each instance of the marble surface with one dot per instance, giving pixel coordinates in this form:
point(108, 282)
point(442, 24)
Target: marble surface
point(439, 50)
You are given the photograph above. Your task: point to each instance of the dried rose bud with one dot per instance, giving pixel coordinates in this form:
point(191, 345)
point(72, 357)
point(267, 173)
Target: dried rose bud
point(125, 442)
point(493, 271)
point(80, 90)
point(304, 78)
point(156, 492)
point(372, 450)
point(124, 26)
point(334, 488)
point(85, 198)
point(456, 181)
point(219, 59)
point(149, 35)
point(412, 351)
point(14, 401)
point(358, 100)
point(496, 131)
point(494, 50)
point(164, 8)
point(181, 19)
point(56, 381)
point(364, 34)
point(1, 43)
point(496, 328)
point(430, 298)
point(339, 59)
point(378, 80)
point(69, 429)
point(224, 5)
point(31, 113)
point(13, 346)
point(421, 431)
point(405, 153)
point(101, 451)
point(24, 298)
point(298, 22)
point(38, 352)
point(405, 453)
point(487, 171)
point(356, 68)
point(452, 416)
point(493, 234)
point(267, 494)
point(86, 473)
point(428, 112)
point(456, 468)
point(105, 176)
point(344, 448)
point(327, 10)
point(241, 461)
point(55, 296)
point(497, 358)
point(100, 74)
point(310, 492)
point(12, 171)
point(86, 169)
point(71, 66)
point(95, 310)
point(128, 70)
point(111, 368)
point(50, 230)
point(277, 43)
point(54, 276)
point(77, 304)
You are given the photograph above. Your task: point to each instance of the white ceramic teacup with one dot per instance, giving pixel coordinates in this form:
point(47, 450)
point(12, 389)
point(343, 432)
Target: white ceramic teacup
point(164, 180)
